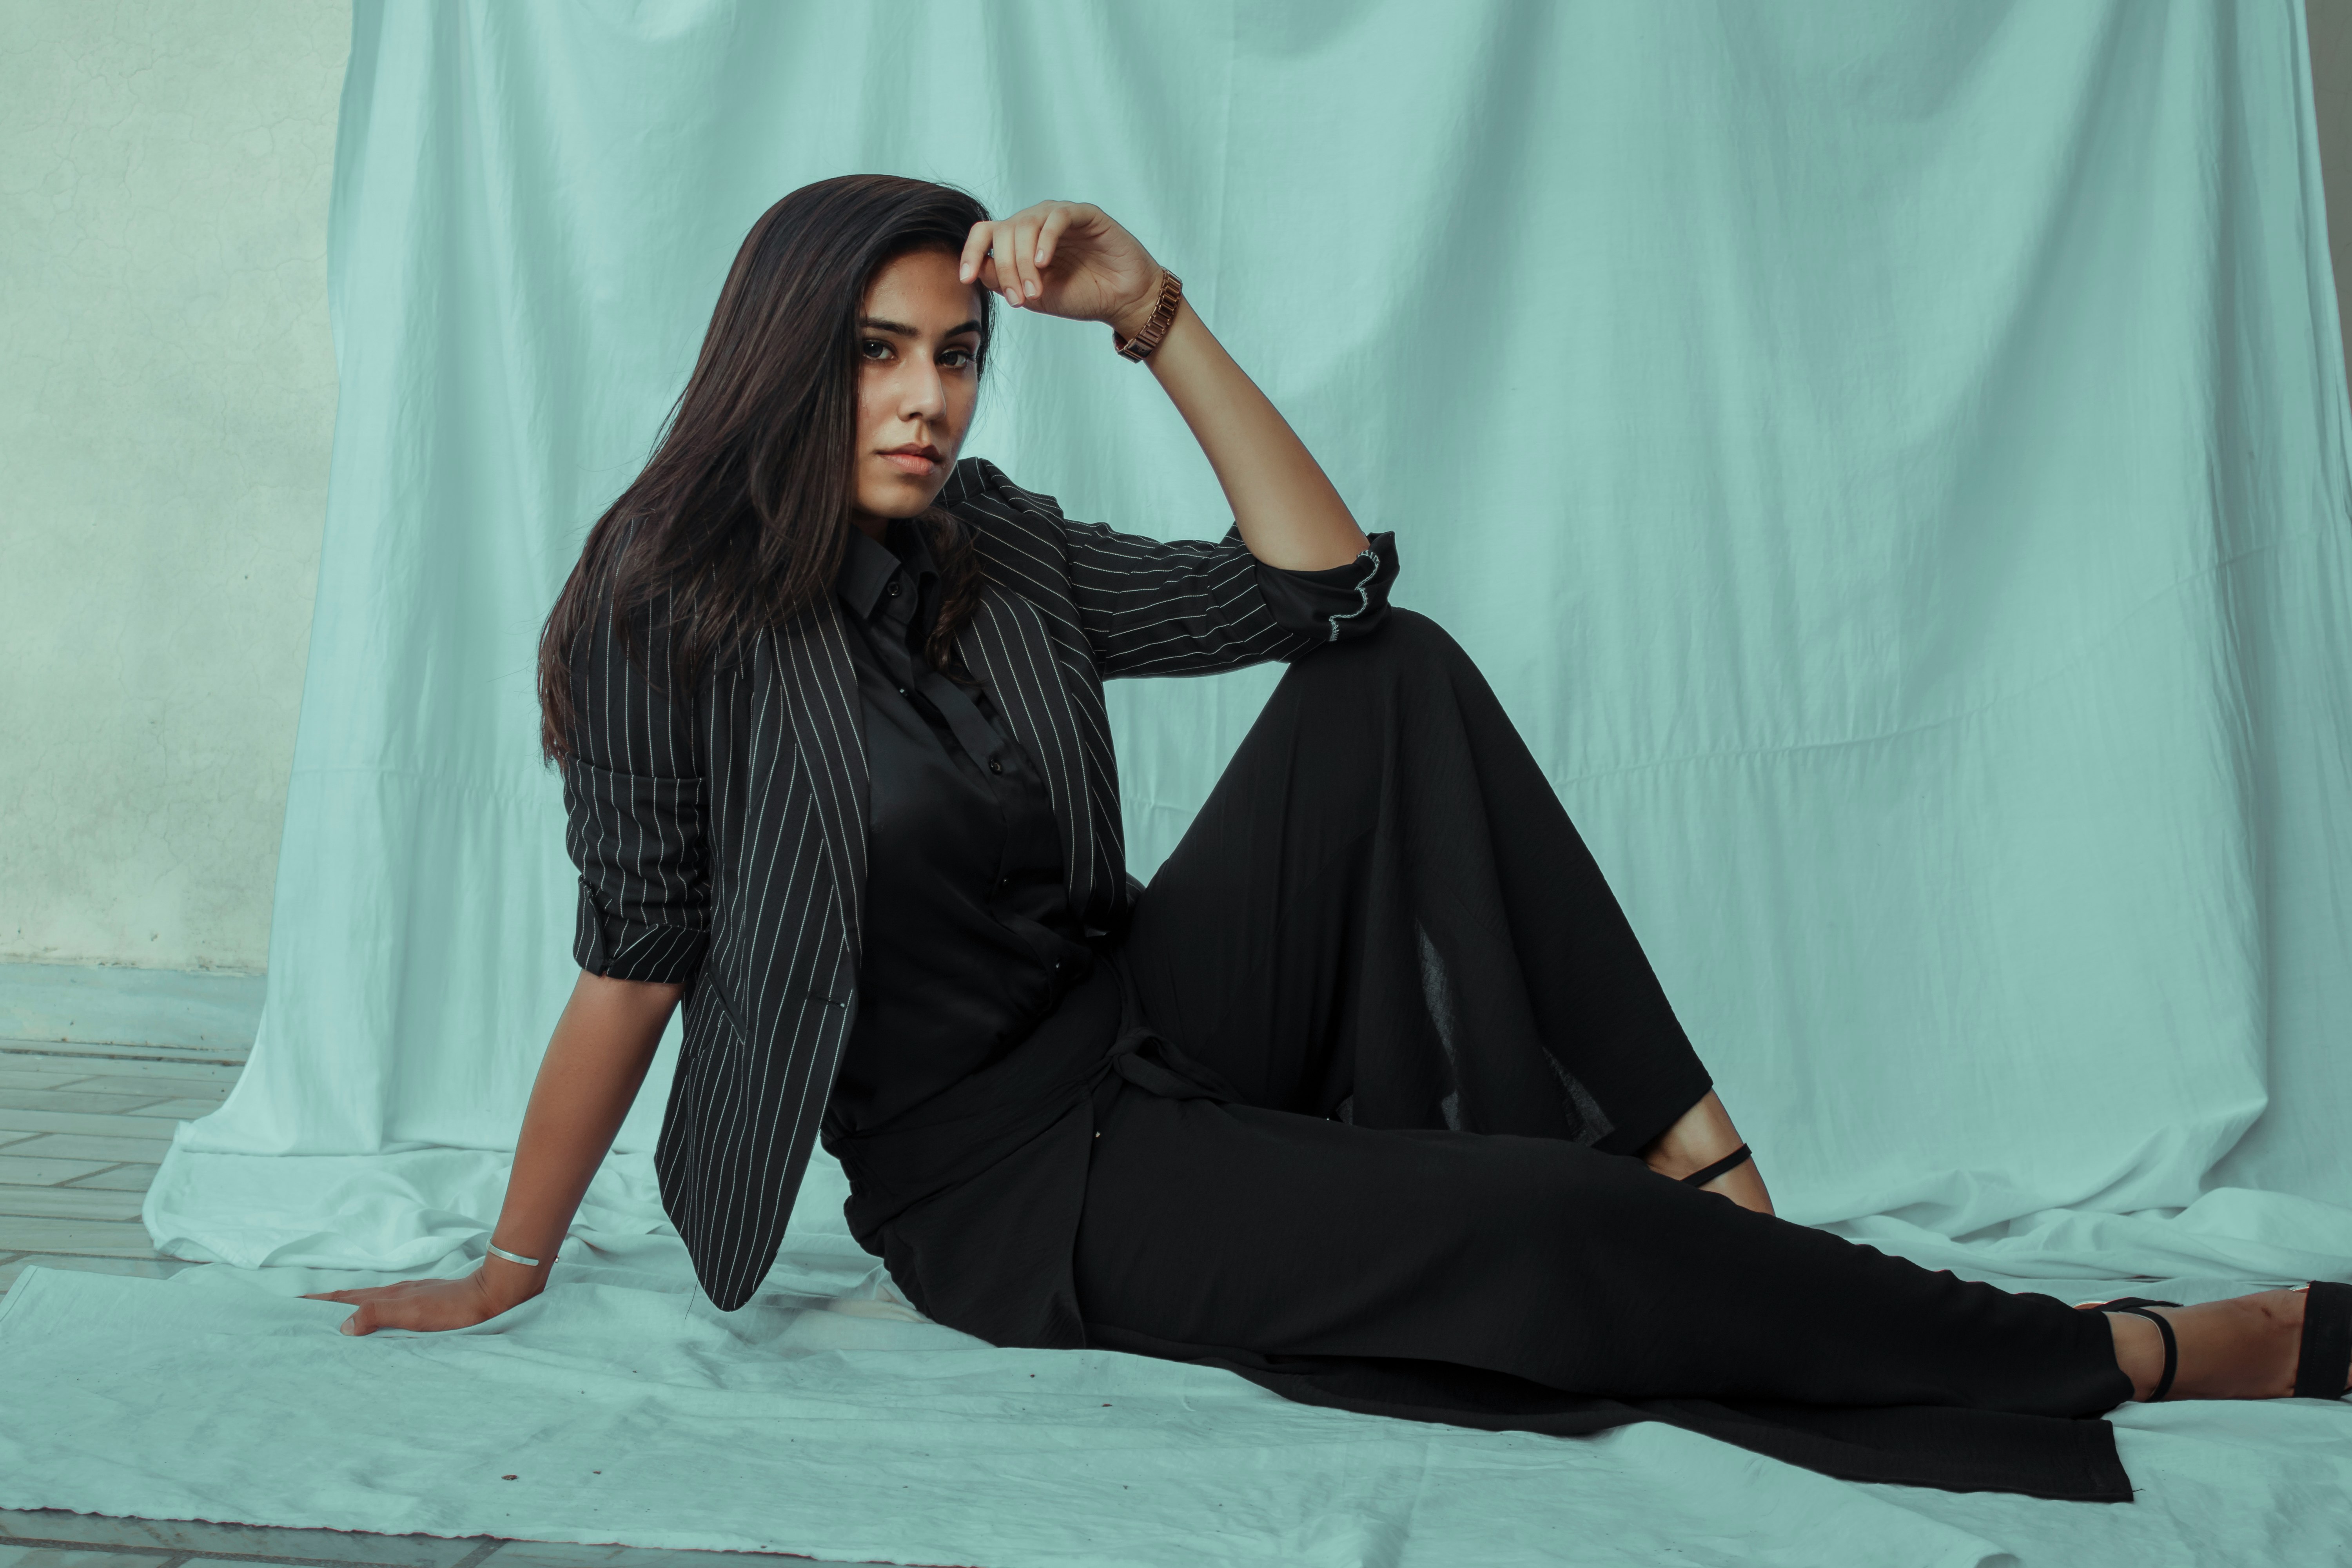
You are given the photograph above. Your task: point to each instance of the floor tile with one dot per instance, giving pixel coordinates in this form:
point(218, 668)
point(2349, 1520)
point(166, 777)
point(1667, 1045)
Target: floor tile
point(171, 1058)
point(243, 1541)
point(36, 1077)
point(563, 1554)
point(75, 1099)
point(243, 1562)
point(174, 1085)
point(97, 1237)
point(136, 1267)
point(18, 1119)
point(72, 1557)
point(180, 1110)
point(15, 1169)
point(67, 1203)
point(177, 1072)
point(120, 1179)
point(76, 1146)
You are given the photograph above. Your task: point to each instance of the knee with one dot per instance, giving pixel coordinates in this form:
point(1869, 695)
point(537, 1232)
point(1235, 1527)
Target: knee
point(1410, 631)
point(1407, 664)
point(1405, 642)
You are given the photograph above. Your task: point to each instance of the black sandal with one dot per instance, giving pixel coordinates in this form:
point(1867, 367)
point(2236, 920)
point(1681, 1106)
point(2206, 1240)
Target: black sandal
point(2138, 1306)
point(1730, 1162)
point(2323, 1362)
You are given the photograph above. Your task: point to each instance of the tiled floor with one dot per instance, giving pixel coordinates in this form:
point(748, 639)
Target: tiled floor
point(82, 1130)
point(81, 1127)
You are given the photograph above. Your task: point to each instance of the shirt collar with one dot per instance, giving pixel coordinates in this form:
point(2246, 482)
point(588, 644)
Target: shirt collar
point(867, 565)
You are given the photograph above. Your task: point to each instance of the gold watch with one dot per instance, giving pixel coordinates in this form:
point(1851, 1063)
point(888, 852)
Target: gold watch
point(1171, 289)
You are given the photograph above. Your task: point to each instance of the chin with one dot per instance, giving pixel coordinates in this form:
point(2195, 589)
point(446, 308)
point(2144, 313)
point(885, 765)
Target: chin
point(902, 497)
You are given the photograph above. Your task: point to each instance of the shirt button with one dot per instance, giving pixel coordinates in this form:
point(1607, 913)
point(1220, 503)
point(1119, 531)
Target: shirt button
point(995, 767)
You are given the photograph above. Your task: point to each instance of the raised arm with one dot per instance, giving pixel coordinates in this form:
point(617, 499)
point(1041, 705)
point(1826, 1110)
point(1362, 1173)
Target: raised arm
point(1069, 260)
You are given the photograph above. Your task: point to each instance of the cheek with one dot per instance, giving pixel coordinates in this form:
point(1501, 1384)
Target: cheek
point(872, 406)
point(963, 397)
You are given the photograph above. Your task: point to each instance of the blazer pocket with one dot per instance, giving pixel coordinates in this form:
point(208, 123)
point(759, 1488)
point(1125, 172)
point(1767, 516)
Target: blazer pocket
point(733, 1018)
point(829, 979)
point(708, 985)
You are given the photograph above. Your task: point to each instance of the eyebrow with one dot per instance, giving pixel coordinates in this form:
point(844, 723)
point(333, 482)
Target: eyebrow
point(904, 331)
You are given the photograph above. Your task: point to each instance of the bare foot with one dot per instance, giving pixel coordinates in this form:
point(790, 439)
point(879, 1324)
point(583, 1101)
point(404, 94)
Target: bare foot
point(2243, 1348)
point(1701, 1136)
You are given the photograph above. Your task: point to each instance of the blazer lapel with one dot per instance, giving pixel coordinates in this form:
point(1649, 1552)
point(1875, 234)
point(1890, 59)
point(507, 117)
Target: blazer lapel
point(1005, 644)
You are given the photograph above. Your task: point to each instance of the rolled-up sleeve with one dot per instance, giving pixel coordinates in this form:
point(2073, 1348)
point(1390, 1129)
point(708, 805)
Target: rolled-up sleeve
point(634, 808)
point(1336, 603)
point(1185, 606)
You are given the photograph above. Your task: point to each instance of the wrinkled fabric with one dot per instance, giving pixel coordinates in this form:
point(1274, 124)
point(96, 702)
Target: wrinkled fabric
point(1889, 459)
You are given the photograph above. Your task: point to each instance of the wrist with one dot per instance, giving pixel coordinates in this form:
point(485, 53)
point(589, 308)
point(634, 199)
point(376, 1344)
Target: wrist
point(1136, 314)
point(506, 1285)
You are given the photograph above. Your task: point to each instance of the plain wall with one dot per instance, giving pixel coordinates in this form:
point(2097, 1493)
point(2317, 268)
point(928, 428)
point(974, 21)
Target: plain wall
point(166, 408)
point(165, 415)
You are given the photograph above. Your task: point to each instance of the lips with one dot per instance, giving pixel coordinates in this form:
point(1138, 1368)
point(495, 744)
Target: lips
point(913, 459)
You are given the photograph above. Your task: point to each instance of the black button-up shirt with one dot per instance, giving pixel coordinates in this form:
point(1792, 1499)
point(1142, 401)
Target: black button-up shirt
point(968, 942)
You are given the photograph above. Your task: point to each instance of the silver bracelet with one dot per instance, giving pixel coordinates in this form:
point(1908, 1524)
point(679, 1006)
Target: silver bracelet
point(497, 1251)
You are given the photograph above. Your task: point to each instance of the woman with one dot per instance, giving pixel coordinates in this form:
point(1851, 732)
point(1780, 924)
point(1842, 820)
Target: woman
point(1371, 1096)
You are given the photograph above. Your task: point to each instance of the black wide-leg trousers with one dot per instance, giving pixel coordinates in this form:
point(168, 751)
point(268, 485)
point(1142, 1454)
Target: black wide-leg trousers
point(1420, 1046)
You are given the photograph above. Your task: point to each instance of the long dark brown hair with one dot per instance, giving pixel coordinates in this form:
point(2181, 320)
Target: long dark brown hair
point(739, 520)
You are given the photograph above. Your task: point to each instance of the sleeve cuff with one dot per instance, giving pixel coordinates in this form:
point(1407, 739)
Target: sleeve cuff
point(1337, 602)
point(620, 949)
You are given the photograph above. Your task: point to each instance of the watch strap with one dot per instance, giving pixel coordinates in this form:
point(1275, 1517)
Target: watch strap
point(1139, 347)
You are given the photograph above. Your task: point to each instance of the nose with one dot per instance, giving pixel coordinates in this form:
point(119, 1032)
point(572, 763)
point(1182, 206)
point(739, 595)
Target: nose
point(922, 394)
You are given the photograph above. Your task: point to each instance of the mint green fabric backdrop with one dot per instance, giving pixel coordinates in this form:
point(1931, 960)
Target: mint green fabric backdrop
point(1890, 460)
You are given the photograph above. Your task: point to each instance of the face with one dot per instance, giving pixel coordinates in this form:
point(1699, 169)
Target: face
point(917, 383)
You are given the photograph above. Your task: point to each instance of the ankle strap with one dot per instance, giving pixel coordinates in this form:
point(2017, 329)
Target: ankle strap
point(1730, 1162)
point(2171, 1345)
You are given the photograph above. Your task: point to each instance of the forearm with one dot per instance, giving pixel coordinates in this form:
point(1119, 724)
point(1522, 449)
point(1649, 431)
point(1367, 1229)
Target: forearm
point(596, 1060)
point(1290, 515)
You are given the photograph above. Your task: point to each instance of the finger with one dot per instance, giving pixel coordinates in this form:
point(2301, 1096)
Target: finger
point(1005, 247)
point(993, 274)
point(358, 1295)
point(975, 245)
point(1025, 257)
point(1048, 232)
point(362, 1321)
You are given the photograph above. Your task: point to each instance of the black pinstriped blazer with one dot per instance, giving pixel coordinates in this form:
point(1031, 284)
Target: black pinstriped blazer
point(720, 833)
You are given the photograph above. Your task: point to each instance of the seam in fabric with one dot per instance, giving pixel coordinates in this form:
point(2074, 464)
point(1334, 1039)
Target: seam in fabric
point(1363, 591)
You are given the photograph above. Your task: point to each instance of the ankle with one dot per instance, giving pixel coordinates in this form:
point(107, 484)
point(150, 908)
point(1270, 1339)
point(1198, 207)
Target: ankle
point(2139, 1351)
point(2242, 1347)
point(1743, 1186)
point(1699, 1137)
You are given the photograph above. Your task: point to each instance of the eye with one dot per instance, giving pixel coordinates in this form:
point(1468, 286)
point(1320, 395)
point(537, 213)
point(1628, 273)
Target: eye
point(867, 346)
point(956, 359)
